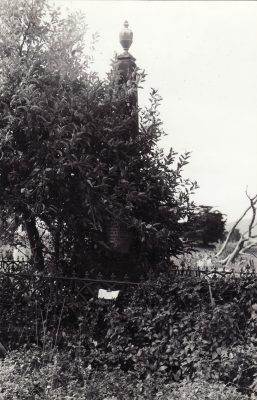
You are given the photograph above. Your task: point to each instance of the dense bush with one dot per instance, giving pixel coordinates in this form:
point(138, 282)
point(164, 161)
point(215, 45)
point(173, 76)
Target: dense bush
point(170, 327)
point(168, 331)
point(77, 154)
point(30, 376)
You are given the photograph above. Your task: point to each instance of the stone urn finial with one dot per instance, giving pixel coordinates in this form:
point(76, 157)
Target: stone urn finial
point(126, 37)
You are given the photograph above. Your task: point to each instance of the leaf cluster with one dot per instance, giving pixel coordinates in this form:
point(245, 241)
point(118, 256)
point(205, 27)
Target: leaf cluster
point(162, 338)
point(168, 328)
point(26, 374)
point(76, 153)
point(205, 226)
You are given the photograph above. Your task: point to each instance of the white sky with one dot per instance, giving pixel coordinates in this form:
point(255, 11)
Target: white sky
point(202, 57)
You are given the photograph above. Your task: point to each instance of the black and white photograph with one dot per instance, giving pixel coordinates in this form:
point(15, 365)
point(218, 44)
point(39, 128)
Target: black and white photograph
point(128, 198)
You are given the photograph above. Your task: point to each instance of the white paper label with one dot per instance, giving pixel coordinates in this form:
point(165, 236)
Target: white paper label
point(108, 295)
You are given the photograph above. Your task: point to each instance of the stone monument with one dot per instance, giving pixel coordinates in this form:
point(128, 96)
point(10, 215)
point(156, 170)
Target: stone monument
point(118, 234)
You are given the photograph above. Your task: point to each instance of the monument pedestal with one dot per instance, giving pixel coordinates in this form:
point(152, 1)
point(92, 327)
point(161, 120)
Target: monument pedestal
point(119, 236)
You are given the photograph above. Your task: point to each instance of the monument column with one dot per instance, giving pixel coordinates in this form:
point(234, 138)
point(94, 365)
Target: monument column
point(118, 235)
point(127, 63)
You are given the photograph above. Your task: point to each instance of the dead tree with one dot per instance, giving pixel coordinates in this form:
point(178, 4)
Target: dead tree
point(247, 239)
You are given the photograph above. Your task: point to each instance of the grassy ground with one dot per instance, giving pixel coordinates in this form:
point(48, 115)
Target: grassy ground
point(32, 375)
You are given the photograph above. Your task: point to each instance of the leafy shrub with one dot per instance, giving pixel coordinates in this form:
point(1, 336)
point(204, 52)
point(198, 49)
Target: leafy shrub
point(31, 374)
point(200, 389)
point(99, 161)
point(169, 329)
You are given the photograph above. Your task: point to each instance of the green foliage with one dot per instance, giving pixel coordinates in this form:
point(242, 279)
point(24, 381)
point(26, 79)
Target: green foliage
point(157, 342)
point(200, 389)
point(29, 374)
point(169, 329)
point(205, 226)
point(76, 154)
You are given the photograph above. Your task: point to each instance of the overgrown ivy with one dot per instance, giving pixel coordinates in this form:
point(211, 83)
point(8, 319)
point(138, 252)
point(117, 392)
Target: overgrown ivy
point(170, 328)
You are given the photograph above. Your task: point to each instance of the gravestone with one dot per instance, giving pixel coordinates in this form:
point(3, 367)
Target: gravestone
point(119, 236)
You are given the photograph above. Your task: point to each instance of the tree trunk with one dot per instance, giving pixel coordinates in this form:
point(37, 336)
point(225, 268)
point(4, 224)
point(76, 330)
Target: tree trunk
point(34, 240)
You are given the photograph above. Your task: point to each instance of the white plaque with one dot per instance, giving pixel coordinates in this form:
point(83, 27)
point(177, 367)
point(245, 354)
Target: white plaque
point(108, 294)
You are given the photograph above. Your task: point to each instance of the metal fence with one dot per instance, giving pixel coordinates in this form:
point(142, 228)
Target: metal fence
point(17, 281)
point(26, 297)
point(23, 270)
point(19, 284)
point(11, 265)
point(217, 270)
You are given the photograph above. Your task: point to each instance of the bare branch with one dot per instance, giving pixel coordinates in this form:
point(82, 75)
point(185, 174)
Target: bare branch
point(236, 251)
point(249, 246)
point(253, 201)
point(253, 216)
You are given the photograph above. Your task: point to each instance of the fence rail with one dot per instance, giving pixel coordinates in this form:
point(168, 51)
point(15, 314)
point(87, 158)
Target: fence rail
point(10, 265)
point(21, 288)
point(17, 281)
point(27, 297)
point(21, 266)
